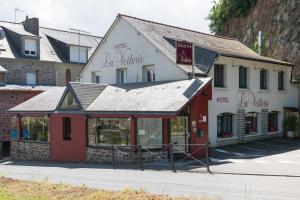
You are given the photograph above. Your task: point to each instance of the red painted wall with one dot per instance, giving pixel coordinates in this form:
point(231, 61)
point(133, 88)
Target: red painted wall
point(199, 108)
point(68, 150)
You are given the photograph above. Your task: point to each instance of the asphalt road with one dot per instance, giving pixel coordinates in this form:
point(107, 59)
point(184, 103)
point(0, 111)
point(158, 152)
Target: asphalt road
point(278, 156)
point(221, 186)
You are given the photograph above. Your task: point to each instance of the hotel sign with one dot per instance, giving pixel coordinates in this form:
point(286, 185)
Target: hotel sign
point(121, 56)
point(247, 99)
point(184, 53)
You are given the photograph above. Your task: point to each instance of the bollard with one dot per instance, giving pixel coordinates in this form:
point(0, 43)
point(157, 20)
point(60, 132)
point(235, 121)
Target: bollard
point(1, 149)
point(207, 156)
point(141, 157)
point(113, 156)
point(172, 157)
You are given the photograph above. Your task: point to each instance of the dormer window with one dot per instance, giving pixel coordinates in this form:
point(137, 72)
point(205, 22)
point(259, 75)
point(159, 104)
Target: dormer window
point(30, 47)
point(78, 54)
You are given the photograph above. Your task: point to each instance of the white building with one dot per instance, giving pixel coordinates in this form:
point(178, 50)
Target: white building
point(250, 91)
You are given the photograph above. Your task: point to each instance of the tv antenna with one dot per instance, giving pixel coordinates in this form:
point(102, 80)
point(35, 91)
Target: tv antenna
point(17, 10)
point(79, 32)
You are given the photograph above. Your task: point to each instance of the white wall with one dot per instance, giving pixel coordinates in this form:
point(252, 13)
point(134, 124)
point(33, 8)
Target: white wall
point(275, 98)
point(123, 42)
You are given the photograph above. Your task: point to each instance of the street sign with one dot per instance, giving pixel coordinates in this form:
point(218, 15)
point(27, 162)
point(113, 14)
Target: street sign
point(184, 53)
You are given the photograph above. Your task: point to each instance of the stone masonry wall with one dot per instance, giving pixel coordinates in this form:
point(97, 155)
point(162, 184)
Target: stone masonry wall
point(29, 150)
point(104, 155)
point(9, 99)
point(17, 69)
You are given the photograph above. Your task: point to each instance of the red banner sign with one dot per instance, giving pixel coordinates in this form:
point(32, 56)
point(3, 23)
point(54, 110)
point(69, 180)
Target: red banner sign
point(184, 53)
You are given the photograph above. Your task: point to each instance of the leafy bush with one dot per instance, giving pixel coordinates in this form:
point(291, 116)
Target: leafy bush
point(291, 123)
point(223, 10)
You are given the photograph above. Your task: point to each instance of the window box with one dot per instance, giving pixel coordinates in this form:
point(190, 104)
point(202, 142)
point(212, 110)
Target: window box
point(253, 131)
point(227, 135)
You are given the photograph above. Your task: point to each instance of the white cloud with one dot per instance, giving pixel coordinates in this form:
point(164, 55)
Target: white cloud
point(96, 16)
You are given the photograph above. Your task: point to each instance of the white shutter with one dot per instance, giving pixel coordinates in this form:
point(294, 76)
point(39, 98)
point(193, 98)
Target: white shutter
point(31, 79)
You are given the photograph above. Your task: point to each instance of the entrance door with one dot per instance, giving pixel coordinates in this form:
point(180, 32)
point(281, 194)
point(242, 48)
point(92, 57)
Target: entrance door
point(179, 133)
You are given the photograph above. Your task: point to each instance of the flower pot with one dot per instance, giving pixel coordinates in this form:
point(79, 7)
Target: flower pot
point(291, 134)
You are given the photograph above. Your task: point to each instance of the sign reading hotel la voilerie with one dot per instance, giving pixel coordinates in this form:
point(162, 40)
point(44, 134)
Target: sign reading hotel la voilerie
point(184, 53)
point(121, 55)
point(249, 98)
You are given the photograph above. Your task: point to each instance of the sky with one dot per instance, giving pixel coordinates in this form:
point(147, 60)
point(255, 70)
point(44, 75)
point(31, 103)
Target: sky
point(96, 16)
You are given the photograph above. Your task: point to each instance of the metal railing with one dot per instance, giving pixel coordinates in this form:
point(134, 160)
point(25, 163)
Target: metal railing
point(140, 155)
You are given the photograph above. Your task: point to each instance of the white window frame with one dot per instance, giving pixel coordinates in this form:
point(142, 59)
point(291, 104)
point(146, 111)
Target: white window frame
point(96, 74)
point(30, 45)
point(151, 69)
point(118, 75)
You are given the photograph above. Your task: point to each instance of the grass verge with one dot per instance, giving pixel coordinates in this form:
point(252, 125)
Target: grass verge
point(11, 189)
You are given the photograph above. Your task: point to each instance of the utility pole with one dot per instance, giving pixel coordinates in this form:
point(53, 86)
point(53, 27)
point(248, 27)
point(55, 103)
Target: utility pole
point(17, 10)
point(259, 42)
point(79, 32)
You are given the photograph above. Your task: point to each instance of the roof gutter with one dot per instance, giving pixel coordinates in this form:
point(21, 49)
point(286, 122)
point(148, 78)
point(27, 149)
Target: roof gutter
point(257, 59)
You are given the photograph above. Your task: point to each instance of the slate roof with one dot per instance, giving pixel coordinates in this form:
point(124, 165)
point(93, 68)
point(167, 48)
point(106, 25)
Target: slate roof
point(86, 92)
point(156, 97)
point(158, 32)
point(45, 102)
point(48, 50)
point(147, 97)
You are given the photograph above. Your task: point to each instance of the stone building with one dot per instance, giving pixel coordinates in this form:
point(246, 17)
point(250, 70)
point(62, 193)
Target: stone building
point(34, 58)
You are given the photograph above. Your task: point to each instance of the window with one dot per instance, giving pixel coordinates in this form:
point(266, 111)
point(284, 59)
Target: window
point(263, 79)
point(280, 80)
point(219, 76)
point(31, 78)
point(96, 78)
point(69, 102)
point(171, 41)
point(251, 123)
point(121, 75)
point(148, 73)
point(224, 125)
point(34, 128)
point(67, 129)
point(150, 134)
point(78, 54)
point(68, 76)
point(179, 130)
point(273, 122)
point(30, 47)
point(243, 79)
point(108, 131)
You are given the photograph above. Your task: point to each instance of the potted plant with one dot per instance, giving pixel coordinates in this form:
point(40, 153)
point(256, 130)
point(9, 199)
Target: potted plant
point(252, 131)
point(291, 125)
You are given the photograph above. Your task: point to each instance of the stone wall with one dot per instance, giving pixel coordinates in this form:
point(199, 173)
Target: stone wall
point(97, 154)
point(61, 69)
point(17, 69)
point(29, 150)
point(279, 22)
point(9, 99)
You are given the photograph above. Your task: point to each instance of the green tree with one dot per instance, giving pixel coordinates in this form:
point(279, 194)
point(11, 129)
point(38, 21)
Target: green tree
point(223, 10)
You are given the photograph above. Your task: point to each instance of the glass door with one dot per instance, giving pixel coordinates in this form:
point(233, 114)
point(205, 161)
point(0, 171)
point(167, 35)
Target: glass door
point(179, 133)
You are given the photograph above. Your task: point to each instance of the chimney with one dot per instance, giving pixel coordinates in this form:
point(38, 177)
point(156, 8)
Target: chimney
point(31, 25)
